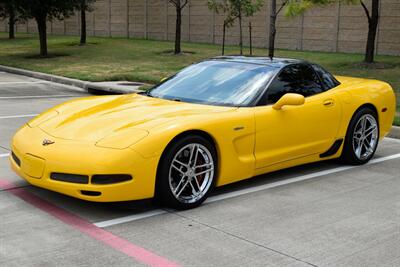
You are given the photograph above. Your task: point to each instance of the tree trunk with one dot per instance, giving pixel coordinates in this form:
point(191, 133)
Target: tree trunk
point(83, 24)
point(250, 40)
point(272, 30)
point(178, 27)
point(223, 38)
point(11, 22)
point(372, 29)
point(41, 23)
point(240, 34)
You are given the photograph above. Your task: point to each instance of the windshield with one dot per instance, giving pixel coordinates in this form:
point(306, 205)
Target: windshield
point(216, 82)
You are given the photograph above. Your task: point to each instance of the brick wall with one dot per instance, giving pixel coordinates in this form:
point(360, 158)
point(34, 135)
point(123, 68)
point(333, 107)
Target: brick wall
point(338, 28)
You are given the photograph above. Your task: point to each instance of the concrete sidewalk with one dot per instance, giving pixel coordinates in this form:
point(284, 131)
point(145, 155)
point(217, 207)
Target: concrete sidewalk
point(114, 87)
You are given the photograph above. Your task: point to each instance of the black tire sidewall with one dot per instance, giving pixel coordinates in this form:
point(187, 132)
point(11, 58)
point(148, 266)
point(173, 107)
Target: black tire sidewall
point(164, 195)
point(348, 154)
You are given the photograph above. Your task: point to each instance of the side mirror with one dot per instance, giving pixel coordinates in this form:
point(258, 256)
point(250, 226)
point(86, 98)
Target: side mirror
point(289, 99)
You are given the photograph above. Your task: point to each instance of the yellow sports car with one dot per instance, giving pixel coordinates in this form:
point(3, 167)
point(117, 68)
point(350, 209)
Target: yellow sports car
point(215, 122)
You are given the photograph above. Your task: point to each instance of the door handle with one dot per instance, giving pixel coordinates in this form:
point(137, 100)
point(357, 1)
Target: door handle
point(329, 102)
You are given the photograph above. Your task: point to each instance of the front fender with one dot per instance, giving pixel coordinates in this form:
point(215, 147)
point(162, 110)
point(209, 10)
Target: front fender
point(233, 133)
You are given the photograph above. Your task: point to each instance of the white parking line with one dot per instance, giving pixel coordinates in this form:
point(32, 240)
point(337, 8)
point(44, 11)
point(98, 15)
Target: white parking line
point(4, 155)
point(18, 116)
point(295, 179)
point(36, 96)
point(130, 218)
point(245, 191)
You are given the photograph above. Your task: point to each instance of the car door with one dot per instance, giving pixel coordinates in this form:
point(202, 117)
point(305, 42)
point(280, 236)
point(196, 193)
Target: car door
point(295, 131)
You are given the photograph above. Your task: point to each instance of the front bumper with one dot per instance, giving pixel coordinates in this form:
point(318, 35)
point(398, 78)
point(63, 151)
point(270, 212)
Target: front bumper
point(37, 162)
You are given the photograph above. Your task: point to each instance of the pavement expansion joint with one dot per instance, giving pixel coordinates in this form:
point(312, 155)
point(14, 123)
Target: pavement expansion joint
point(241, 238)
point(5, 148)
point(13, 188)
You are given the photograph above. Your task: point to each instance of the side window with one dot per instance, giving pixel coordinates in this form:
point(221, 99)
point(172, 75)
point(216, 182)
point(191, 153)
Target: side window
point(298, 78)
point(327, 79)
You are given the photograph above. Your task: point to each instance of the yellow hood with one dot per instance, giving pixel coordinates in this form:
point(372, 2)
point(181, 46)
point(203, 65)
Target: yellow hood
point(93, 118)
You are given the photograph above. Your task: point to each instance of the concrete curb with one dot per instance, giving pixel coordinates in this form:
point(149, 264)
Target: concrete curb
point(83, 85)
point(119, 87)
point(394, 132)
point(46, 77)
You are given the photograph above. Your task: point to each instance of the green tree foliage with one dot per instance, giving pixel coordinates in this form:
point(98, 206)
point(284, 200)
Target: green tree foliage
point(10, 9)
point(297, 7)
point(235, 10)
point(46, 10)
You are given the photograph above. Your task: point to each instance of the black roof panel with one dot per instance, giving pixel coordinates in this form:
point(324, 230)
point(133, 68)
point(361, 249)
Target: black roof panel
point(275, 62)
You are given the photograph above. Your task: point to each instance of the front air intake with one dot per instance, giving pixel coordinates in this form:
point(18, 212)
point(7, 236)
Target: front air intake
point(70, 178)
point(110, 178)
point(16, 159)
point(90, 193)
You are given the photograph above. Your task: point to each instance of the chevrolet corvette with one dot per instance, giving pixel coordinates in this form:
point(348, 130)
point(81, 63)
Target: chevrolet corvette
point(215, 122)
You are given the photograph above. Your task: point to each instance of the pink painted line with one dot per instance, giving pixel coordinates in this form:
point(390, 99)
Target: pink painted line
point(138, 253)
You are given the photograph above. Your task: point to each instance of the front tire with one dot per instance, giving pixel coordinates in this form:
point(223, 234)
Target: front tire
point(361, 138)
point(186, 173)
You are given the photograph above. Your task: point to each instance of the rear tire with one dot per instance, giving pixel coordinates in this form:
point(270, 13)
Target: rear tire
point(362, 137)
point(186, 173)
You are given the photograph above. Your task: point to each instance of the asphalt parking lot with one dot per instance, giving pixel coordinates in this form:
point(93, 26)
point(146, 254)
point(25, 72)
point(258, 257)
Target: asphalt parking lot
point(323, 214)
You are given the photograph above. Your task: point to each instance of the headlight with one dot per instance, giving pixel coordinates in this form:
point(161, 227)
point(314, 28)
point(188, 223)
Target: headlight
point(42, 118)
point(123, 138)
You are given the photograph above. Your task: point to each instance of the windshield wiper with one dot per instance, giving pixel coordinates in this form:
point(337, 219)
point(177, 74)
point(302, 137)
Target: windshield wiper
point(146, 93)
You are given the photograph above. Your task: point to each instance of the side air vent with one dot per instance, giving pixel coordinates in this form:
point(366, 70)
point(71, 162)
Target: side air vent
point(16, 159)
point(110, 178)
point(333, 149)
point(90, 193)
point(70, 178)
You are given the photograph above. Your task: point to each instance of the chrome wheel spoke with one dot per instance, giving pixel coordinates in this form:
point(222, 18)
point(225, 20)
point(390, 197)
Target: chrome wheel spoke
point(197, 182)
point(183, 188)
point(203, 172)
point(178, 169)
point(367, 146)
point(367, 149)
point(367, 135)
point(192, 152)
point(358, 132)
point(369, 131)
point(359, 143)
point(194, 191)
point(196, 155)
point(179, 162)
point(358, 151)
point(205, 165)
point(179, 184)
point(363, 124)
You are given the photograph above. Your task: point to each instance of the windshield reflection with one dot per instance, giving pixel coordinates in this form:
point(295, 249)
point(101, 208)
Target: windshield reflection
point(216, 82)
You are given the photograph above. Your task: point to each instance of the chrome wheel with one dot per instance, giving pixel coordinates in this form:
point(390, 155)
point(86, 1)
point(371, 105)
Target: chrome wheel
point(191, 173)
point(365, 137)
